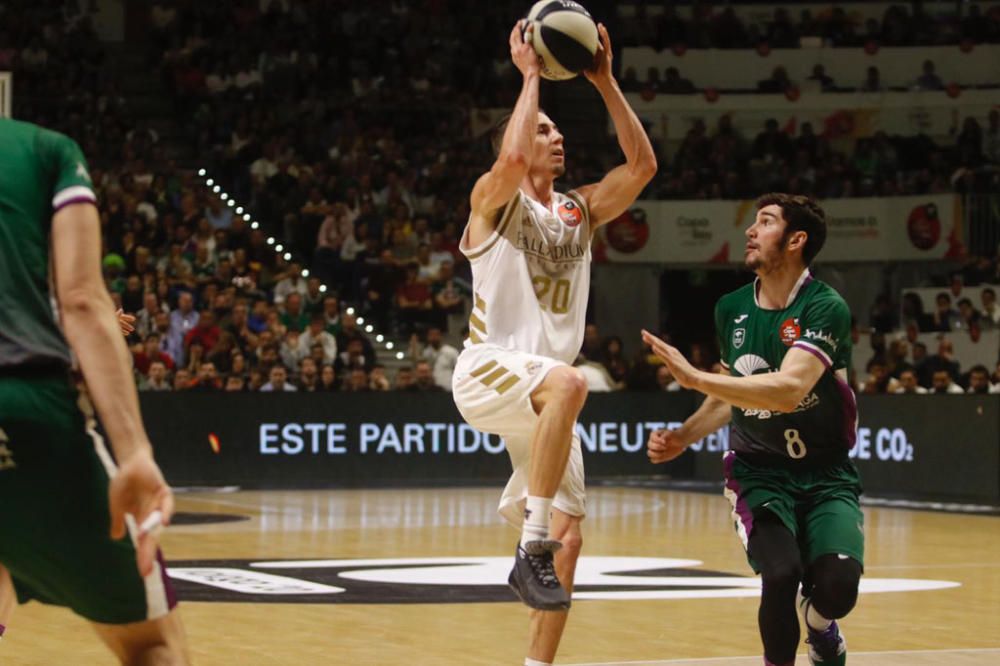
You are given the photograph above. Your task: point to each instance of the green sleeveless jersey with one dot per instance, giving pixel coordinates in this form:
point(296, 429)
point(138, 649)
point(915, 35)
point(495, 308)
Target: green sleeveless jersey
point(754, 340)
point(40, 172)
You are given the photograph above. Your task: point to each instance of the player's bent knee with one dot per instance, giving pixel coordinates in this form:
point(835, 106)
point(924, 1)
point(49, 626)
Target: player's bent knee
point(835, 585)
point(570, 385)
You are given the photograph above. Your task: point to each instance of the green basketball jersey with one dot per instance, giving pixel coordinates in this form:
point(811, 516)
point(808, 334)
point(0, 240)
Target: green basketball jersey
point(40, 172)
point(754, 340)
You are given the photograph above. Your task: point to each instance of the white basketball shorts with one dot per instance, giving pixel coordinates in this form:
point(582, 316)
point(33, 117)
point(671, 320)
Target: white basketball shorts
point(492, 390)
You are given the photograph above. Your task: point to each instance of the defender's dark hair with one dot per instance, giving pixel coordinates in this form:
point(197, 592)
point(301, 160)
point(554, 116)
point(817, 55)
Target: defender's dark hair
point(496, 134)
point(801, 214)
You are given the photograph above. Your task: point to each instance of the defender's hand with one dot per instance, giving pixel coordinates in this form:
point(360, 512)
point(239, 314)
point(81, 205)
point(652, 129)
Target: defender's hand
point(601, 71)
point(664, 445)
point(685, 373)
point(521, 51)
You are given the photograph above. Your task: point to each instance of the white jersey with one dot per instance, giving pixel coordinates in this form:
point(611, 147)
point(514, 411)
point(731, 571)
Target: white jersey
point(531, 278)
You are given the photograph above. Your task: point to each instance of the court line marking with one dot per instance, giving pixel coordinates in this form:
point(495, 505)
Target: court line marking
point(757, 656)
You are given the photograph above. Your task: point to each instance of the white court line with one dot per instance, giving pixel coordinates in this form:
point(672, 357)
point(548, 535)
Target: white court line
point(958, 565)
point(722, 660)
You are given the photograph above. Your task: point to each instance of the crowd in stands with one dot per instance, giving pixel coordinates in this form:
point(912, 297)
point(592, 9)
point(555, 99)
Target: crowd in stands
point(717, 25)
point(723, 164)
point(344, 128)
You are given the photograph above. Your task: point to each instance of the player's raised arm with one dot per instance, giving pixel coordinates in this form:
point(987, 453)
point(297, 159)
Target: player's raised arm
point(497, 186)
point(612, 196)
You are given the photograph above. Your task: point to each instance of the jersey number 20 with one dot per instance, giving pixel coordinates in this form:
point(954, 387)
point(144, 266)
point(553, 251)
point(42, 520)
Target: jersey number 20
point(559, 293)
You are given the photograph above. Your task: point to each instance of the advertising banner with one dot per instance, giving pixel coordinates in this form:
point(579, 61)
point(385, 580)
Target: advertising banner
point(870, 229)
point(334, 440)
point(922, 447)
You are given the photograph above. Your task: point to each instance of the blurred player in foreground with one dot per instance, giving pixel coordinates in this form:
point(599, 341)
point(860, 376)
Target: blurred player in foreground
point(76, 530)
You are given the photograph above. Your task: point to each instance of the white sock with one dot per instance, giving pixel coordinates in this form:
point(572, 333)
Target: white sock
point(528, 661)
point(536, 519)
point(816, 621)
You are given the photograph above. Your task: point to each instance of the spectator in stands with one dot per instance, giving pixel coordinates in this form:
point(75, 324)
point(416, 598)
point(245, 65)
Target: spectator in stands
point(665, 381)
point(941, 382)
point(597, 378)
point(440, 355)
point(944, 318)
point(145, 319)
point(944, 360)
point(308, 375)
point(991, 311)
point(278, 380)
point(293, 316)
point(879, 380)
point(235, 384)
point(207, 378)
point(182, 379)
point(450, 294)
point(896, 356)
point(156, 378)
point(613, 360)
point(908, 383)
point(404, 379)
point(979, 381)
point(968, 316)
point(293, 282)
point(328, 379)
point(349, 331)
point(630, 81)
point(377, 379)
point(822, 79)
point(357, 381)
point(913, 313)
point(873, 80)
point(771, 145)
point(778, 82)
point(423, 378)
point(205, 332)
point(413, 300)
point(674, 84)
point(149, 352)
point(290, 351)
point(928, 79)
point(882, 316)
point(182, 321)
point(642, 376)
point(316, 334)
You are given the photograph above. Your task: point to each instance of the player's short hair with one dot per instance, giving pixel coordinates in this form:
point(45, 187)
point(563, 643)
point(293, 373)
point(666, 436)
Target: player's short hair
point(496, 134)
point(801, 213)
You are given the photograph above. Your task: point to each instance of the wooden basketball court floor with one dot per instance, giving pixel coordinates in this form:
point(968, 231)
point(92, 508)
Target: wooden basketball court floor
point(409, 577)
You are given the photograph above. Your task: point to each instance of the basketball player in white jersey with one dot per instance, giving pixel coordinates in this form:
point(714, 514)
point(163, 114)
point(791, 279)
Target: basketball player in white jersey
point(529, 247)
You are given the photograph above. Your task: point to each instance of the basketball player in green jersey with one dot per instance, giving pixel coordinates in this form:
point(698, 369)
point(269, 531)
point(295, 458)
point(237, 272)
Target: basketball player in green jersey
point(786, 346)
point(75, 530)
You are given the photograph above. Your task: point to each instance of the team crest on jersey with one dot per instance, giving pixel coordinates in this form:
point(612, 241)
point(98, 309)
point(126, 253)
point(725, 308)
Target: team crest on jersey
point(739, 335)
point(570, 214)
point(532, 368)
point(789, 331)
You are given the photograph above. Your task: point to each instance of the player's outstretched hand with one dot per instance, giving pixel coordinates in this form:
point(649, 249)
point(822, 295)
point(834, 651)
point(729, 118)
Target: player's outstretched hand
point(126, 322)
point(685, 373)
point(664, 445)
point(601, 71)
point(521, 51)
point(138, 489)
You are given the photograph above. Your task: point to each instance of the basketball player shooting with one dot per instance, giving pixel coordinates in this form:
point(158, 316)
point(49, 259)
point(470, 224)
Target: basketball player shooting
point(529, 247)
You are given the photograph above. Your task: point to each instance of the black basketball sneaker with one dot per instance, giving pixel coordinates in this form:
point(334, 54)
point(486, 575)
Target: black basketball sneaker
point(534, 579)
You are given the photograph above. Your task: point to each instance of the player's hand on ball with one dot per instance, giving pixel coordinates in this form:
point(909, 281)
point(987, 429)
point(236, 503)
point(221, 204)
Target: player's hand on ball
point(664, 445)
point(602, 59)
point(685, 373)
point(138, 489)
point(521, 51)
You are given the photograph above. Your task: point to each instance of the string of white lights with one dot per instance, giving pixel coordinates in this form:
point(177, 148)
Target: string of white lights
point(280, 250)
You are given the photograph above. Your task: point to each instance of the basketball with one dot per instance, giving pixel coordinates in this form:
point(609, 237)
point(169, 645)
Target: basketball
point(565, 36)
